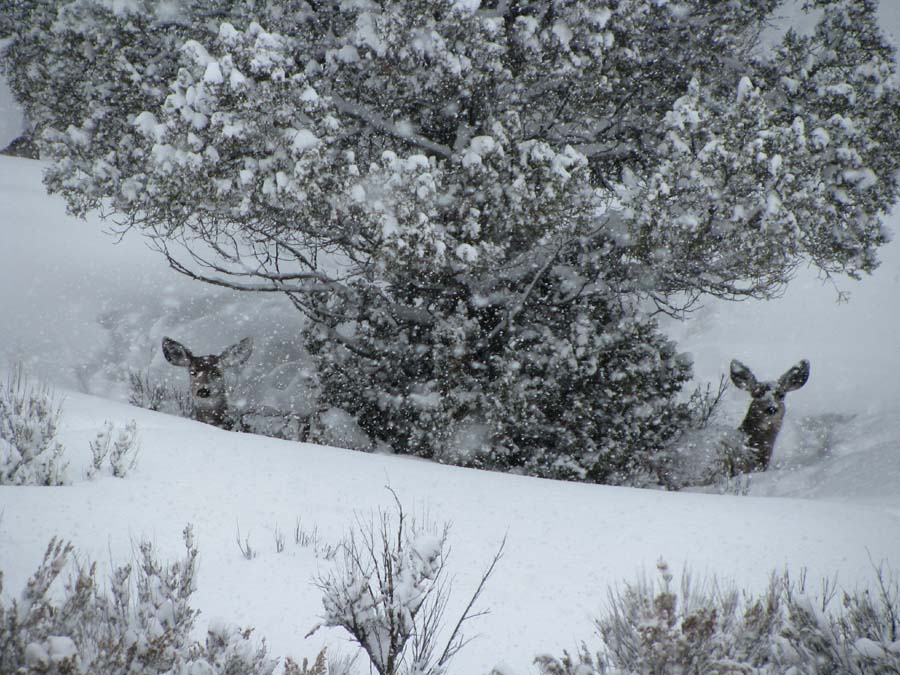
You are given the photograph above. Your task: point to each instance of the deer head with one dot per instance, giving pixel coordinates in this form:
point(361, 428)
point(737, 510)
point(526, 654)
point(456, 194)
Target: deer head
point(766, 413)
point(209, 398)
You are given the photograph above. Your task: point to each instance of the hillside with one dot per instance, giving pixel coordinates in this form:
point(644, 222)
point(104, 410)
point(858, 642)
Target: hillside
point(81, 310)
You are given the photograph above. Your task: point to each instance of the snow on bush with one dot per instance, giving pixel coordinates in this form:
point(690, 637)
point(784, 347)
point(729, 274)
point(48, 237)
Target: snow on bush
point(29, 417)
point(389, 591)
point(323, 665)
point(146, 392)
point(119, 450)
point(708, 629)
point(141, 625)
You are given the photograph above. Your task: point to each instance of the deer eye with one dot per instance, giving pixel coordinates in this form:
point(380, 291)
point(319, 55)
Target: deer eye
point(779, 395)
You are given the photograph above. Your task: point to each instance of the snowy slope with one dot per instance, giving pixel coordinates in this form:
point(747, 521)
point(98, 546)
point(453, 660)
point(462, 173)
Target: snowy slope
point(80, 309)
point(566, 542)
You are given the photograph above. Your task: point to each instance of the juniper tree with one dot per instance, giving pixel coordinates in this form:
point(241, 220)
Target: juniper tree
point(479, 206)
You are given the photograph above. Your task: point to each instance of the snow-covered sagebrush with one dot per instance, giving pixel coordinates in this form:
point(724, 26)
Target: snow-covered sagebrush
point(30, 453)
point(476, 205)
point(702, 627)
point(142, 624)
point(119, 450)
point(389, 590)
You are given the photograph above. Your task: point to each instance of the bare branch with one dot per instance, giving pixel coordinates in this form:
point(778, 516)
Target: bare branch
point(456, 641)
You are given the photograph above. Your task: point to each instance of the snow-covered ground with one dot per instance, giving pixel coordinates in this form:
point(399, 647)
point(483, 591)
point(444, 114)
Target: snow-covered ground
point(80, 309)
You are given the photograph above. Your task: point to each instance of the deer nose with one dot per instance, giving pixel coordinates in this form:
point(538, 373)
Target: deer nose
point(771, 410)
point(203, 392)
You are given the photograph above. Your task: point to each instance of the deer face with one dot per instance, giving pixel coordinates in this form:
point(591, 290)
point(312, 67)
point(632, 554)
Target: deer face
point(766, 413)
point(207, 377)
point(767, 405)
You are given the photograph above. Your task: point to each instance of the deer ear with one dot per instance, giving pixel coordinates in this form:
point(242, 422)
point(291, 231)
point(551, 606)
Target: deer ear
point(237, 354)
point(176, 353)
point(741, 376)
point(796, 377)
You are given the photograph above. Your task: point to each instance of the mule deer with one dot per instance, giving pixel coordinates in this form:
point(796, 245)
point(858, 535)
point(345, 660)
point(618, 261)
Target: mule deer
point(209, 400)
point(766, 413)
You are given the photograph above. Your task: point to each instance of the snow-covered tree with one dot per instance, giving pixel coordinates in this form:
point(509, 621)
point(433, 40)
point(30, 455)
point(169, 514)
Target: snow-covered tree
point(479, 204)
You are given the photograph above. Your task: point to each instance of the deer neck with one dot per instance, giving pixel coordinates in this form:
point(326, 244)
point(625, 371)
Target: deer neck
point(760, 431)
point(212, 412)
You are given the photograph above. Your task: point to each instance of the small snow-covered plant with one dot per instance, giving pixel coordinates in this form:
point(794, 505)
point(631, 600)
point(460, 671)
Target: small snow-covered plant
point(706, 450)
point(582, 663)
point(247, 551)
point(99, 450)
point(228, 650)
point(162, 614)
point(862, 637)
point(705, 402)
point(124, 451)
point(143, 393)
point(304, 538)
point(146, 392)
point(342, 664)
point(120, 450)
point(141, 624)
point(726, 459)
point(870, 625)
point(659, 628)
point(656, 628)
point(709, 456)
point(309, 538)
point(738, 486)
point(389, 591)
point(29, 418)
point(320, 667)
point(30, 628)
